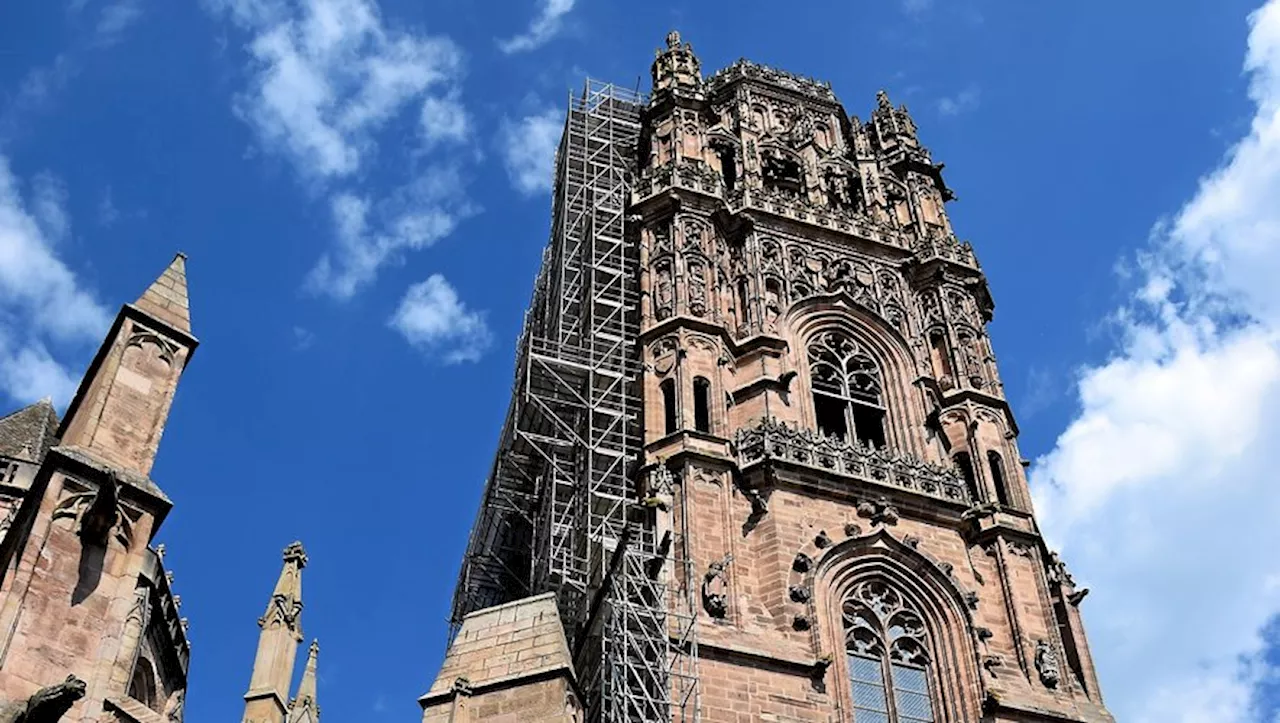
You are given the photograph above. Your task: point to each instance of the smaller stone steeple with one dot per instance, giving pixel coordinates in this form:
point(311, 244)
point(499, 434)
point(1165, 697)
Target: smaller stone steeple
point(278, 642)
point(303, 708)
point(120, 409)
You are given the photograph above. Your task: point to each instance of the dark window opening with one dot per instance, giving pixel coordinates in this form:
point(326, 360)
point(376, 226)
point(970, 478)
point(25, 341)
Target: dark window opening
point(940, 357)
point(728, 167)
point(669, 405)
point(744, 316)
point(143, 686)
point(782, 174)
point(997, 477)
point(830, 416)
point(966, 469)
point(868, 425)
point(702, 405)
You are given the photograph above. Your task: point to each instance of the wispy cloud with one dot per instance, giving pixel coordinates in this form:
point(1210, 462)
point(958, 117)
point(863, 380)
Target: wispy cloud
point(433, 319)
point(41, 85)
point(963, 102)
point(529, 148)
point(545, 26)
point(1181, 425)
point(371, 234)
point(115, 18)
point(916, 8)
point(42, 302)
point(328, 80)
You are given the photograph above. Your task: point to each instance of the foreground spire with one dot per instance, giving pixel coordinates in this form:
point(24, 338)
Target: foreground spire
point(303, 707)
point(278, 642)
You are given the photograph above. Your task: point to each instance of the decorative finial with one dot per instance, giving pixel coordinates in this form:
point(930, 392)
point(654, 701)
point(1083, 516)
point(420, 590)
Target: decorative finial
point(295, 553)
point(160, 551)
point(882, 101)
point(673, 39)
point(315, 647)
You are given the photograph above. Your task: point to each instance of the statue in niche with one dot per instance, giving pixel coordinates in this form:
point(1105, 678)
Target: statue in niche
point(969, 348)
point(663, 296)
point(697, 289)
point(772, 305)
point(836, 184)
point(1047, 665)
point(715, 588)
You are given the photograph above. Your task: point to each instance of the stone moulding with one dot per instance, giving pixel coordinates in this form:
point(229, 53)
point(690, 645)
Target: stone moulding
point(773, 441)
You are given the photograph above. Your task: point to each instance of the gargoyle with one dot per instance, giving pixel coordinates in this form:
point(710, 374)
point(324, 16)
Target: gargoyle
point(103, 512)
point(46, 705)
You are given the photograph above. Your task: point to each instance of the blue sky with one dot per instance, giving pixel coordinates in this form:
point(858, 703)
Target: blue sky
point(361, 188)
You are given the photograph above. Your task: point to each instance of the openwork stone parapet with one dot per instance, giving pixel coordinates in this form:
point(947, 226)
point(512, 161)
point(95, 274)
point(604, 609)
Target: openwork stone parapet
point(773, 441)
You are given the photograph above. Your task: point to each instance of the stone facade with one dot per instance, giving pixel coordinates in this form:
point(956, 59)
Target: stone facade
point(838, 462)
point(84, 593)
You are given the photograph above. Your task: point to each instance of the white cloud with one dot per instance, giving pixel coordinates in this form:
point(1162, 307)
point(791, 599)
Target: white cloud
point(329, 78)
point(545, 26)
point(1161, 491)
point(371, 234)
point(41, 301)
point(962, 102)
point(444, 120)
point(329, 75)
point(529, 149)
point(115, 19)
point(433, 319)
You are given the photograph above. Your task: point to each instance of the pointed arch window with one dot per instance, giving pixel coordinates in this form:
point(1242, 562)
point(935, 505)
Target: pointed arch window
point(887, 650)
point(996, 466)
point(669, 417)
point(702, 405)
point(847, 390)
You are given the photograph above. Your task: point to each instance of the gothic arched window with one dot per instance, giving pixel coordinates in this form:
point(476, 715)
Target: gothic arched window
point(702, 405)
point(887, 649)
point(142, 687)
point(847, 390)
point(669, 416)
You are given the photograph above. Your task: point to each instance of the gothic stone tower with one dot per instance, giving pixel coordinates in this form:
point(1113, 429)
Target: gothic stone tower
point(83, 592)
point(827, 481)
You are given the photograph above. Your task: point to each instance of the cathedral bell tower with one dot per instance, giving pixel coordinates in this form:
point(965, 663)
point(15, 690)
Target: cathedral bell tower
point(823, 513)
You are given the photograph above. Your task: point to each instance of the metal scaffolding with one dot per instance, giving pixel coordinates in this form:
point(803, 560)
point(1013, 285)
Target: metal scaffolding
point(560, 510)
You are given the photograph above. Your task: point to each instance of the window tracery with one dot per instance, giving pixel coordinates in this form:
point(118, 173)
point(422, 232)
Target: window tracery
point(887, 648)
point(847, 390)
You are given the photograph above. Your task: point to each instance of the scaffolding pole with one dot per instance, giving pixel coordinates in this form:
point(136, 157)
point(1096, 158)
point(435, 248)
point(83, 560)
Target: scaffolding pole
point(559, 511)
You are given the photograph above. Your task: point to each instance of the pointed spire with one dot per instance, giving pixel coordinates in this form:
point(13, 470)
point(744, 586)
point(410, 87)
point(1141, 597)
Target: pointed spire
point(278, 642)
point(303, 708)
point(166, 298)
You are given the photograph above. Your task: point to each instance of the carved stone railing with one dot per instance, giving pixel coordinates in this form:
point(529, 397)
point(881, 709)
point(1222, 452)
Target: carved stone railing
point(781, 78)
point(772, 440)
point(689, 173)
point(799, 209)
point(945, 247)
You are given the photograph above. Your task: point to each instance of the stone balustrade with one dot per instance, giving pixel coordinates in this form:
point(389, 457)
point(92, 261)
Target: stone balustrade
point(773, 440)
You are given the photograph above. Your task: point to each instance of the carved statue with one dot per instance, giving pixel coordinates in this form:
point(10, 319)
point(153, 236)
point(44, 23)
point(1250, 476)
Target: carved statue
point(664, 292)
point(697, 289)
point(715, 588)
point(102, 514)
point(47, 705)
point(1047, 665)
point(173, 707)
